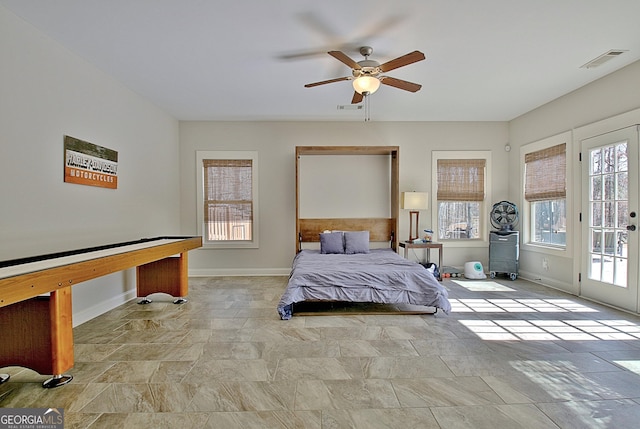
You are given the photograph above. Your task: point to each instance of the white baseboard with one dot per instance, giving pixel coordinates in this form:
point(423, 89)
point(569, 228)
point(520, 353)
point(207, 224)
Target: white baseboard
point(223, 272)
point(102, 307)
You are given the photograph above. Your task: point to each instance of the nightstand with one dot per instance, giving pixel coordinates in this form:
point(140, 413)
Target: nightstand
point(406, 245)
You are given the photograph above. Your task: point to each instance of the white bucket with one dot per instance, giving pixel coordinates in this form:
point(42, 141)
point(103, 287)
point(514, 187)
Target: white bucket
point(474, 270)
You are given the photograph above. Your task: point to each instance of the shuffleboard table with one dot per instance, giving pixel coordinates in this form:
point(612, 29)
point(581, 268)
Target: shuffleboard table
point(35, 296)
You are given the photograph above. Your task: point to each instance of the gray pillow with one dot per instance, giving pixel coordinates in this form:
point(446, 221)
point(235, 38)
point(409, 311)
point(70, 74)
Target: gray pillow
point(356, 242)
point(331, 242)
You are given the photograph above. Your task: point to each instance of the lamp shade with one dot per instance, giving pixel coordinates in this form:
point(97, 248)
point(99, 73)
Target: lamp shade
point(415, 200)
point(366, 84)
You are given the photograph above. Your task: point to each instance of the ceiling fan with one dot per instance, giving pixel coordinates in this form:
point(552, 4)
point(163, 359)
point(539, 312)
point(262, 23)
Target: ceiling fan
point(367, 74)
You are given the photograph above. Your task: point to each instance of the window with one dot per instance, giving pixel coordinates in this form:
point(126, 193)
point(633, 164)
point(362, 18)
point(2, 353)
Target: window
point(545, 189)
point(461, 190)
point(227, 198)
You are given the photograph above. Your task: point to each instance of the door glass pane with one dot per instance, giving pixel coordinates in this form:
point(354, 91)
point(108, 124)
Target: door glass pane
point(609, 214)
point(623, 185)
point(596, 188)
point(609, 242)
point(608, 159)
point(596, 162)
point(596, 241)
point(621, 272)
point(607, 270)
point(623, 214)
point(608, 195)
point(609, 187)
point(596, 214)
point(594, 268)
point(621, 152)
point(622, 244)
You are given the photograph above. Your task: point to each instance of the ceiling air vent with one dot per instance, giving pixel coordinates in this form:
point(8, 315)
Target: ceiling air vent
point(603, 58)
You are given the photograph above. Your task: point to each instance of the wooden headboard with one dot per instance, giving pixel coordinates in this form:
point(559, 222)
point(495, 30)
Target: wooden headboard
point(380, 229)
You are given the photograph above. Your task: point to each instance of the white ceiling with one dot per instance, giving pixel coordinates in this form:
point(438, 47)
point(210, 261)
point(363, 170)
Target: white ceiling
point(487, 60)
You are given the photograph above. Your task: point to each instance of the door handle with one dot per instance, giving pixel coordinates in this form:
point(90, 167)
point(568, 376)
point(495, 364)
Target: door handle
point(631, 227)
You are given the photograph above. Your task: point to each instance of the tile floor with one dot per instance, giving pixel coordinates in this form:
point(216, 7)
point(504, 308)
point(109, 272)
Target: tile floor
point(511, 355)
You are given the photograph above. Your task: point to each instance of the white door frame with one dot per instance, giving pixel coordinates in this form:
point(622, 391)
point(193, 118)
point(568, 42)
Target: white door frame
point(616, 122)
point(624, 295)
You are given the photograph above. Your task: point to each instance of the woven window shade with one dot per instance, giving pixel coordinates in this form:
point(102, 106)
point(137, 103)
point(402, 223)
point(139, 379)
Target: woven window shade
point(545, 174)
point(228, 203)
point(461, 179)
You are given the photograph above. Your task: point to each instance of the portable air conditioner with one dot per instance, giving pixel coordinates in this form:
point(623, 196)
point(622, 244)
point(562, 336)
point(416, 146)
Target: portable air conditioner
point(474, 270)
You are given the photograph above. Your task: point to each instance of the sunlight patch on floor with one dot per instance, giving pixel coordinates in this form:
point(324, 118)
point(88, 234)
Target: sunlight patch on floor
point(503, 305)
point(554, 330)
point(487, 286)
point(631, 365)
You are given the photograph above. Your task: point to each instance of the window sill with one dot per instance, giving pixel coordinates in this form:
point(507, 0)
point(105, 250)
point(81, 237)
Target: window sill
point(546, 249)
point(231, 245)
point(464, 243)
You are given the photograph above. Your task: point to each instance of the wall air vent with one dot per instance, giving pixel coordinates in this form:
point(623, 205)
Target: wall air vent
point(603, 58)
point(350, 107)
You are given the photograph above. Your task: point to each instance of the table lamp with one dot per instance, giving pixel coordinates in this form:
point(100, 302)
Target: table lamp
point(414, 201)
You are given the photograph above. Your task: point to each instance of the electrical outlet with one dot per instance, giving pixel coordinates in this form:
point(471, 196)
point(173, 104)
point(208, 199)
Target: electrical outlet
point(545, 264)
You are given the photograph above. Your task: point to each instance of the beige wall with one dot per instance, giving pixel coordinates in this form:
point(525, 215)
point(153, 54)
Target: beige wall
point(276, 142)
point(48, 92)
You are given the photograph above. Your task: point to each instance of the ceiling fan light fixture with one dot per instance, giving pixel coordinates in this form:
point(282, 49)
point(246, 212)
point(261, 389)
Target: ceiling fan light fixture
point(364, 84)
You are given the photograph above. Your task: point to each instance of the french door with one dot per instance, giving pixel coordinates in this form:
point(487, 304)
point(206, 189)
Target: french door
point(610, 218)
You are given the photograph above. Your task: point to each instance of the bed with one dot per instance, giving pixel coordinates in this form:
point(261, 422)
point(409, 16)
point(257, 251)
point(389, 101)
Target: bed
point(355, 259)
point(379, 276)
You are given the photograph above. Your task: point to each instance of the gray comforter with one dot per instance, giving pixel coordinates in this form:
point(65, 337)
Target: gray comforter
point(380, 276)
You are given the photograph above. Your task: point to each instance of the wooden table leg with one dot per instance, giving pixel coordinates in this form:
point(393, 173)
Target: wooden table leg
point(38, 334)
point(168, 275)
point(61, 337)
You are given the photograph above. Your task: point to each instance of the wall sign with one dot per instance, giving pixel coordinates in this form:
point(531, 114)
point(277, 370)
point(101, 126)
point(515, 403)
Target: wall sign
point(89, 164)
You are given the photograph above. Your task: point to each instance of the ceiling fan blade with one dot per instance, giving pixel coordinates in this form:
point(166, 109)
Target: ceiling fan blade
point(401, 84)
point(344, 58)
point(311, 85)
point(380, 27)
point(357, 98)
point(318, 52)
point(295, 55)
point(410, 58)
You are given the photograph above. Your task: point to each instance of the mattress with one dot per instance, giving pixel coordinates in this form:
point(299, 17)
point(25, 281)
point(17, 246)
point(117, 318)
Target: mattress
point(380, 276)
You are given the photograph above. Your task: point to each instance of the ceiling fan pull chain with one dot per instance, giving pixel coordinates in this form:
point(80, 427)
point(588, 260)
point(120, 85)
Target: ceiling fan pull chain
point(367, 107)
